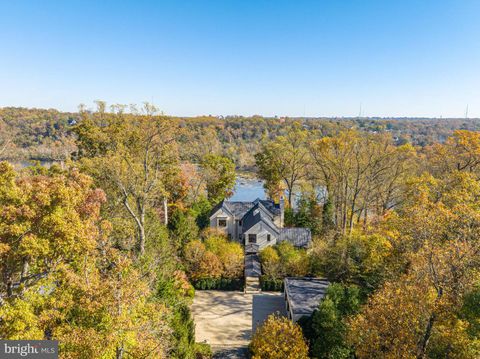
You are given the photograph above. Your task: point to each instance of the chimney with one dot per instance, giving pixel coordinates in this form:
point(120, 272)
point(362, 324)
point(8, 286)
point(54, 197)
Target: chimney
point(282, 212)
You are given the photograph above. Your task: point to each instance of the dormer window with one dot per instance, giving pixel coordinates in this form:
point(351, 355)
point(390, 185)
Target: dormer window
point(269, 238)
point(222, 222)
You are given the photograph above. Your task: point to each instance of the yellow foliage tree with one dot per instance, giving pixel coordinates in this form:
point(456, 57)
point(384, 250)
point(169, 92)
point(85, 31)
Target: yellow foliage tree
point(435, 238)
point(62, 280)
point(278, 338)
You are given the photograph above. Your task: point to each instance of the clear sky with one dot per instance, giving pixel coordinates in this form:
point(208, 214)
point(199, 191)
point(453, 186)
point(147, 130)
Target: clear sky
point(313, 58)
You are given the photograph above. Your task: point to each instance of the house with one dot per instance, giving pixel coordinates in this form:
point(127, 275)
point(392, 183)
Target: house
point(257, 224)
point(302, 295)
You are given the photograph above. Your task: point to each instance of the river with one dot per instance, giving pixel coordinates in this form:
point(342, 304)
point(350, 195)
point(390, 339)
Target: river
point(247, 189)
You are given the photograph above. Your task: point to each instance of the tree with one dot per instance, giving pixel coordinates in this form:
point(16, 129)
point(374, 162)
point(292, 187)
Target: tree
point(361, 259)
point(460, 152)
point(134, 159)
point(278, 338)
point(285, 160)
point(435, 238)
point(44, 221)
point(307, 214)
point(183, 228)
point(219, 176)
point(363, 174)
point(326, 328)
point(62, 279)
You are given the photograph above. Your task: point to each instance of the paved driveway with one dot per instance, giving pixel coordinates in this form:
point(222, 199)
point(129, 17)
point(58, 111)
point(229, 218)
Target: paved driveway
point(225, 319)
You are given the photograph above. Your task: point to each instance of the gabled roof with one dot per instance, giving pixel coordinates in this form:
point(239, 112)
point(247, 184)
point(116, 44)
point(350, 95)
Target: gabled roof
point(240, 208)
point(299, 237)
point(235, 208)
point(271, 206)
point(258, 214)
point(305, 294)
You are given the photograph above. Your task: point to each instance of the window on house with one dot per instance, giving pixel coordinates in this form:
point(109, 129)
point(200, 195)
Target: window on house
point(222, 222)
point(252, 238)
point(268, 238)
point(240, 222)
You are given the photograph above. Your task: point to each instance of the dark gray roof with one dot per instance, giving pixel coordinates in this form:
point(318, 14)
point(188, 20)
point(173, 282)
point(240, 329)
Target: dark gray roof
point(236, 208)
point(305, 294)
point(258, 213)
point(252, 266)
point(240, 208)
point(270, 206)
point(299, 237)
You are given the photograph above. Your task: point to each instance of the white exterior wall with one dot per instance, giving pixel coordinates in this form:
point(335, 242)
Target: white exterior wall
point(233, 227)
point(229, 229)
point(261, 231)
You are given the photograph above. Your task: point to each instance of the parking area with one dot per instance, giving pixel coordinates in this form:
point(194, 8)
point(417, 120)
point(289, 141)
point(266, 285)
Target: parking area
point(226, 318)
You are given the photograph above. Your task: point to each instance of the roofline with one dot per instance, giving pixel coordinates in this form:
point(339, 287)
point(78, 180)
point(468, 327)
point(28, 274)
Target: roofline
point(222, 207)
point(266, 223)
point(286, 288)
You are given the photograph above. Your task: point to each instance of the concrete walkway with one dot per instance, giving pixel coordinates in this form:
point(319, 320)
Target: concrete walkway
point(225, 319)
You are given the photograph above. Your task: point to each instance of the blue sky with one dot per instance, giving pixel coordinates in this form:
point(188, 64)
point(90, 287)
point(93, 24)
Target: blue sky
point(313, 58)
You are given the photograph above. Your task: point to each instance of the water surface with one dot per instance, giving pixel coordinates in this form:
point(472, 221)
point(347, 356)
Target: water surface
point(248, 190)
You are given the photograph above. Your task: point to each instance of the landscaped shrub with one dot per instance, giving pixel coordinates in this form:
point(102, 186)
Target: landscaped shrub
point(219, 283)
point(271, 284)
point(203, 351)
point(284, 260)
point(215, 259)
point(230, 255)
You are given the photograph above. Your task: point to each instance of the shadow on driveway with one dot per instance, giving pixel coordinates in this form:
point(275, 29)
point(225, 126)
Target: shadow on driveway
point(225, 319)
point(265, 304)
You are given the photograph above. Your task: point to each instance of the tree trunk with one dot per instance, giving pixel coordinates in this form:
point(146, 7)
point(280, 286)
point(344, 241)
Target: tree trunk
point(165, 211)
point(141, 239)
point(344, 208)
point(141, 227)
point(140, 222)
point(119, 353)
point(422, 345)
point(290, 190)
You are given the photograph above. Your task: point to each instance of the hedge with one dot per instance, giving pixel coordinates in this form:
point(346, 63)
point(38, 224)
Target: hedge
point(219, 283)
point(271, 285)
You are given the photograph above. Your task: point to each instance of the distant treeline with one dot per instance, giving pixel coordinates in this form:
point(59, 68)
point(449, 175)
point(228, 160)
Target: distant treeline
point(46, 135)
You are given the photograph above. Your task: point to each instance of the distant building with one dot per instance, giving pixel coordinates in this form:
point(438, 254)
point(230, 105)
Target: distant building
point(303, 295)
point(257, 224)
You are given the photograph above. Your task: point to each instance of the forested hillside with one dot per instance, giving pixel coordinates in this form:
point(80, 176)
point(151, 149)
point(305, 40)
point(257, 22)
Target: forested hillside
point(38, 134)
